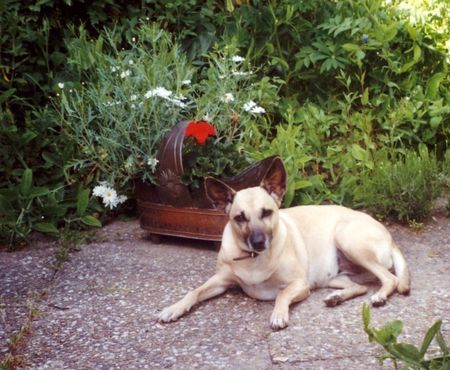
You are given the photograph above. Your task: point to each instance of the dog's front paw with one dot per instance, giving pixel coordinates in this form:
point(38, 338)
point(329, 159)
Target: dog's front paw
point(279, 319)
point(171, 313)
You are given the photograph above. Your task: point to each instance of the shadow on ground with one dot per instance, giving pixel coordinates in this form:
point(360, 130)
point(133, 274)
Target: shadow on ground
point(99, 311)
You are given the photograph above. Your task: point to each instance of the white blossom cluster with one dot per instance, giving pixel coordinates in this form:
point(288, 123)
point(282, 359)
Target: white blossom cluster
point(252, 107)
point(109, 195)
point(163, 93)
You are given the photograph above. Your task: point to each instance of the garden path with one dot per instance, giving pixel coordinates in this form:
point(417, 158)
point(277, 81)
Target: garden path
point(99, 310)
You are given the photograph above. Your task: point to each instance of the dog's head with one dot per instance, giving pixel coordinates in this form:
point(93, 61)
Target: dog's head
point(252, 212)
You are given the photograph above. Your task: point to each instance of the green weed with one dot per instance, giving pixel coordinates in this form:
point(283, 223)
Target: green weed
point(410, 356)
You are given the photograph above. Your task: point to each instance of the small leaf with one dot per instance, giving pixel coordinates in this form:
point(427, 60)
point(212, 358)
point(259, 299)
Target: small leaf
point(45, 227)
point(366, 316)
point(28, 136)
point(442, 344)
point(429, 337)
point(433, 84)
point(407, 353)
point(82, 201)
point(365, 97)
point(388, 333)
point(301, 184)
point(39, 191)
point(25, 184)
point(91, 221)
point(6, 95)
point(359, 153)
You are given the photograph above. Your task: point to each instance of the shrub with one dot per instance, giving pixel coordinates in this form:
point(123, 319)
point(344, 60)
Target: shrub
point(125, 99)
point(402, 185)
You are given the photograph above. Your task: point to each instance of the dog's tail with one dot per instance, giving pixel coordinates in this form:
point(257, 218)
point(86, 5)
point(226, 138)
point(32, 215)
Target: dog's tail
point(401, 270)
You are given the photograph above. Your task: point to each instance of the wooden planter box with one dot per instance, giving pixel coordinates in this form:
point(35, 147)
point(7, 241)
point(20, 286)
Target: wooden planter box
point(169, 208)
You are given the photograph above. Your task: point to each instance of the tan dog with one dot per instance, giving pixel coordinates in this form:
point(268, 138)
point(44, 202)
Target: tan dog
point(284, 254)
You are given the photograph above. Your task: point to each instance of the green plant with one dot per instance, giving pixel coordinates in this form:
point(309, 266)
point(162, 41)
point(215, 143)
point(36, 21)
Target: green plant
point(29, 207)
point(124, 103)
point(411, 356)
point(402, 185)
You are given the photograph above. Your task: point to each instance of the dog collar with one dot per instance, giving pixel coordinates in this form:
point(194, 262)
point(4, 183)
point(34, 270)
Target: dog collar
point(249, 255)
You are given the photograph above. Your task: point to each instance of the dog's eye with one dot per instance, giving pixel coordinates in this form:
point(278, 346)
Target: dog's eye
point(240, 218)
point(266, 213)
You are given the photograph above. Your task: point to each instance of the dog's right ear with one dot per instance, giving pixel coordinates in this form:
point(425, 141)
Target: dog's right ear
point(219, 193)
point(275, 180)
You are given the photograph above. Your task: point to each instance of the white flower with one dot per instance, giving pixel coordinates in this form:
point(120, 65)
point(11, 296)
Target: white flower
point(122, 198)
point(110, 198)
point(108, 195)
point(186, 82)
point(159, 91)
point(99, 190)
point(61, 85)
point(133, 39)
point(114, 69)
point(152, 162)
point(237, 59)
point(228, 98)
point(178, 103)
point(251, 107)
point(130, 62)
point(258, 110)
point(125, 74)
point(239, 73)
point(133, 97)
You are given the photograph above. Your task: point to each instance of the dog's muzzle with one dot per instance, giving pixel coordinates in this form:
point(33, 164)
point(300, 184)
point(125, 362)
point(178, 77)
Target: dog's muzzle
point(257, 241)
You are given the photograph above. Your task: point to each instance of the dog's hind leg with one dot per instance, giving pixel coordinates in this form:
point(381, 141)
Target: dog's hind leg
point(366, 258)
point(349, 289)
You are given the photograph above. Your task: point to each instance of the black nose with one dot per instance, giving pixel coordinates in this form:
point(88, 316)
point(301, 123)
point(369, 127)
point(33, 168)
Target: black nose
point(257, 241)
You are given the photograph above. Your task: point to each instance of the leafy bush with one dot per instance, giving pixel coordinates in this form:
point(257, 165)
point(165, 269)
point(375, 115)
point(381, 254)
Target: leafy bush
point(402, 186)
point(412, 357)
point(124, 103)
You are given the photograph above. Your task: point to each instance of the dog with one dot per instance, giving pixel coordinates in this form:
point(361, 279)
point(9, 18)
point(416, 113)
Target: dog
point(283, 254)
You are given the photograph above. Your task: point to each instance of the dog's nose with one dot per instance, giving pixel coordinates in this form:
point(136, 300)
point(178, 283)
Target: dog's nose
point(257, 241)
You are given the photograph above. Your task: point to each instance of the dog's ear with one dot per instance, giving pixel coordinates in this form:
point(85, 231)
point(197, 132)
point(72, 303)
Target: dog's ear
point(275, 180)
point(219, 193)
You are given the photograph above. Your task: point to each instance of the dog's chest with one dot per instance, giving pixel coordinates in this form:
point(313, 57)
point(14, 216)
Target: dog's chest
point(258, 284)
point(265, 291)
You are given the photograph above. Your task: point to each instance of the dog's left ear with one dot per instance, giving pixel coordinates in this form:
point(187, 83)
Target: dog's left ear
point(275, 180)
point(219, 193)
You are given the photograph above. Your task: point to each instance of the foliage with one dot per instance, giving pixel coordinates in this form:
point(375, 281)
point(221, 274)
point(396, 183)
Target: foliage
point(359, 77)
point(356, 77)
point(124, 103)
point(403, 186)
point(411, 356)
point(29, 207)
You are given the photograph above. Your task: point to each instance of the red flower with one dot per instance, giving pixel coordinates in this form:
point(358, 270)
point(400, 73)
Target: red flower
point(200, 131)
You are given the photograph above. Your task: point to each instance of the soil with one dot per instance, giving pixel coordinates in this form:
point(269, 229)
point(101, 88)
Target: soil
point(99, 310)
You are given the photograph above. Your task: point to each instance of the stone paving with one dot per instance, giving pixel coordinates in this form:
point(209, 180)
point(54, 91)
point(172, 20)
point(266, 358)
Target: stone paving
point(99, 311)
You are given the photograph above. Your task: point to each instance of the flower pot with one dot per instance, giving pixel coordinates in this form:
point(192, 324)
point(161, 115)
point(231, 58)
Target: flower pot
point(170, 208)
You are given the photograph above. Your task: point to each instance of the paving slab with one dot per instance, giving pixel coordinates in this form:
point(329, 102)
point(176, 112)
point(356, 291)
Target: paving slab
point(99, 311)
